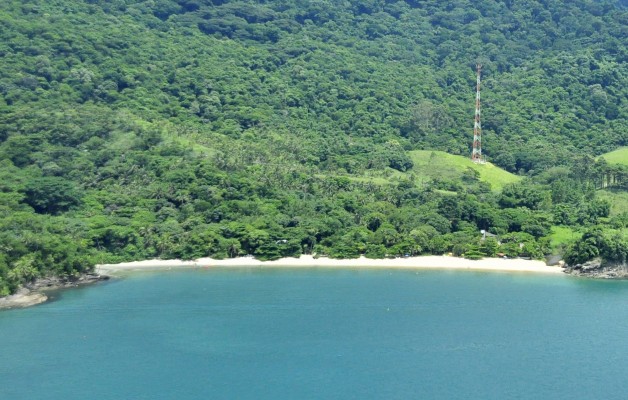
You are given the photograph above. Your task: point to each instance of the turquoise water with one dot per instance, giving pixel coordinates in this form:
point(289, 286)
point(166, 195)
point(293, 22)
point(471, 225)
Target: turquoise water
point(321, 334)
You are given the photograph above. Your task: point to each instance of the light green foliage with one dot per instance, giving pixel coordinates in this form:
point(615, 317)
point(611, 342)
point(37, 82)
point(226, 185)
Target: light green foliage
point(619, 156)
point(618, 199)
point(562, 235)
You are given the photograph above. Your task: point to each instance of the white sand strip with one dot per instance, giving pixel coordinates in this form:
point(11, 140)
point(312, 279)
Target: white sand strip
point(423, 262)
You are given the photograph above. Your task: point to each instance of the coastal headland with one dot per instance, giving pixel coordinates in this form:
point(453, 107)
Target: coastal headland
point(35, 292)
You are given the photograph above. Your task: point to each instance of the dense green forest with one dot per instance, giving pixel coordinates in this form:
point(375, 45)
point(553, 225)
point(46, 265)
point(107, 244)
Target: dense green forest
point(134, 129)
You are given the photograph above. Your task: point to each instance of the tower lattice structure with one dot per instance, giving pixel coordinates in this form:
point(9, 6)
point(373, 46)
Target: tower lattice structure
point(476, 154)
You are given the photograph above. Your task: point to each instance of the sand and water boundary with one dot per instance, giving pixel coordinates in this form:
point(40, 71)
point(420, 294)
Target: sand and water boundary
point(308, 261)
point(35, 295)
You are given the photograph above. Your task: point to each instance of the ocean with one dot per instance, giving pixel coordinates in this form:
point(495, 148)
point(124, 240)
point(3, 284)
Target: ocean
point(307, 333)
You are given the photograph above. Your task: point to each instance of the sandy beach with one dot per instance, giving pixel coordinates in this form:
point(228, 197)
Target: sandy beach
point(422, 262)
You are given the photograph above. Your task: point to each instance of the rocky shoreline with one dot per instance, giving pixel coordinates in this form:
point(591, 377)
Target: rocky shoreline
point(35, 292)
point(599, 270)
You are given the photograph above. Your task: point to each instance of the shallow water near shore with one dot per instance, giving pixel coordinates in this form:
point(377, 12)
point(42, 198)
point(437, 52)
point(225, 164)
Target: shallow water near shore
point(251, 333)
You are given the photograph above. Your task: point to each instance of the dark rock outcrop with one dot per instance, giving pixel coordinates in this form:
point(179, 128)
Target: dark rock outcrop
point(599, 269)
point(34, 293)
point(56, 282)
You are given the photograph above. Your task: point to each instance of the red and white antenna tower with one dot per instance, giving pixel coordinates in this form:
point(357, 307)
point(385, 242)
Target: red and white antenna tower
point(476, 155)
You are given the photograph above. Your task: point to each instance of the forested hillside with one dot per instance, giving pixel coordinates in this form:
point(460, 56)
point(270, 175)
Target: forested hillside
point(132, 129)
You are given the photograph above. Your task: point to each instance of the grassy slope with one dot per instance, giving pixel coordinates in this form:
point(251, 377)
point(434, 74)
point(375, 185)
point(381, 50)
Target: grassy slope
point(619, 156)
point(447, 166)
point(561, 235)
point(618, 200)
point(438, 164)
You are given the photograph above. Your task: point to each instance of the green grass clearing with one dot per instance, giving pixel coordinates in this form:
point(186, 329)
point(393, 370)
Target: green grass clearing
point(617, 198)
point(430, 165)
point(438, 164)
point(562, 235)
point(619, 156)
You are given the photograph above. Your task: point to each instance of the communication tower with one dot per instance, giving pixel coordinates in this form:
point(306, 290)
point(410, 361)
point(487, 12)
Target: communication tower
point(476, 154)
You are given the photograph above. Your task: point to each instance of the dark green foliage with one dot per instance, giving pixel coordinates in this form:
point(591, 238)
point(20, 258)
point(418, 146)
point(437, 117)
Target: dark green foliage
point(489, 247)
point(50, 195)
point(611, 246)
point(521, 195)
point(473, 253)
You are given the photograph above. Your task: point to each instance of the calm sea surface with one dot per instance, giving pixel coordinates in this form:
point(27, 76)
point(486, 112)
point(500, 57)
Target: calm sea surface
point(321, 334)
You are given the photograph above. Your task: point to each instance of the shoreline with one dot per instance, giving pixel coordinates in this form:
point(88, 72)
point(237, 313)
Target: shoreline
point(308, 261)
point(37, 292)
point(22, 299)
